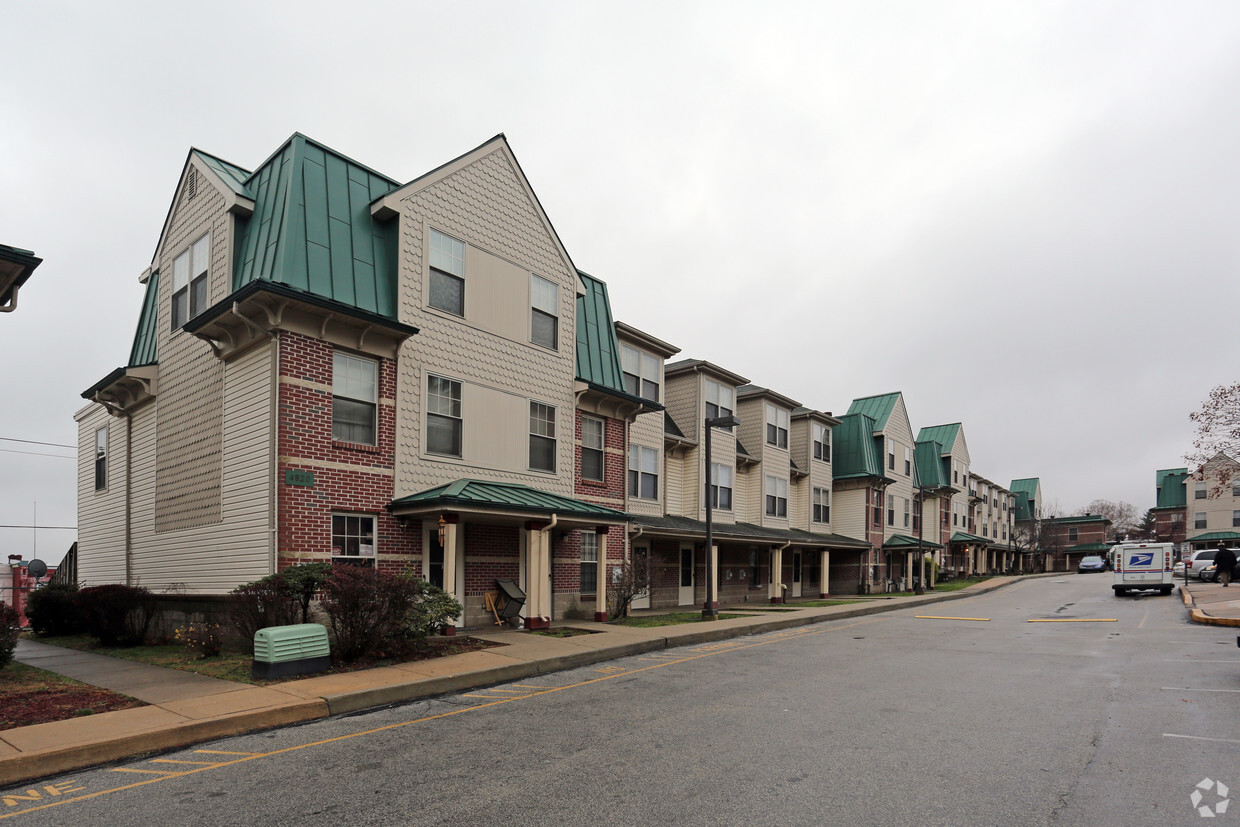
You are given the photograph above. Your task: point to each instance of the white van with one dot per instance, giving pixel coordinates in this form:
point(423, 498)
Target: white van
point(1143, 566)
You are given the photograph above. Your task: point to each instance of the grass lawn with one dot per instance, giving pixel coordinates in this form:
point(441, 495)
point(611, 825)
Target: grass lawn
point(814, 604)
point(33, 696)
point(671, 619)
point(563, 631)
point(956, 585)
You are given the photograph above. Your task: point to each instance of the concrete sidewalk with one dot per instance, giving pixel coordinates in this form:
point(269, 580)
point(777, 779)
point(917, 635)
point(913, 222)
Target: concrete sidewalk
point(1211, 603)
point(187, 709)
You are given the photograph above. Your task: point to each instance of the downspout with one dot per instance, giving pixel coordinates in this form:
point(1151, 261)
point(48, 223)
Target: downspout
point(128, 499)
point(546, 531)
point(782, 587)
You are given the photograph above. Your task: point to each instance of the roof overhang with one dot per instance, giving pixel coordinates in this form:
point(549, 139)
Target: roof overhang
point(702, 366)
point(16, 265)
point(255, 312)
point(818, 416)
point(755, 392)
point(124, 389)
point(604, 401)
point(643, 339)
point(504, 503)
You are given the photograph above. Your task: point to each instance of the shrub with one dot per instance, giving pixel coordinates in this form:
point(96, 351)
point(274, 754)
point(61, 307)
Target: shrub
point(204, 638)
point(116, 614)
point(267, 602)
point(54, 610)
point(366, 609)
point(432, 608)
point(305, 581)
point(10, 628)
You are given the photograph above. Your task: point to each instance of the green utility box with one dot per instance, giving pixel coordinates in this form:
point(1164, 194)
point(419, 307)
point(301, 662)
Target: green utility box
point(280, 651)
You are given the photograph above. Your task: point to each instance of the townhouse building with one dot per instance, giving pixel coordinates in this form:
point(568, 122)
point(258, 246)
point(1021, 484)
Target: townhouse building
point(994, 521)
point(1170, 506)
point(1067, 540)
point(1212, 503)
point(16, 266)
point(333, 365)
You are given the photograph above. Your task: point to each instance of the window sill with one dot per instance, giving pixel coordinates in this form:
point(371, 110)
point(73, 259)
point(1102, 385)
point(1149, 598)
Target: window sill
point(593, 483)
point(357, 446)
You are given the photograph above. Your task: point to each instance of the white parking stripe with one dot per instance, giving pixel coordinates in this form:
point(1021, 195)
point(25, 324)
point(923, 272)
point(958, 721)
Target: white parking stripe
point(1186, 689)
point(1201, 738)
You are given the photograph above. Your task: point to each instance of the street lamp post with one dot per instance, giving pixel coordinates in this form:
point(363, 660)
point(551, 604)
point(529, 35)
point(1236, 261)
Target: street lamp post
point(710, 611)
point(920, 498)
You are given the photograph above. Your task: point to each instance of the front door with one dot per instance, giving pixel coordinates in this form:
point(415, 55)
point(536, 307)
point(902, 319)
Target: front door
point(641, 571)
point(434, 560)
point(796, 574)
point(686, 575)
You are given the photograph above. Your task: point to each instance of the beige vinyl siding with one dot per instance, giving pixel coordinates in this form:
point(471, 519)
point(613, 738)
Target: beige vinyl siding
point(752, 430)
point(747, 494)
point(723, 450)
point(101, 514)
point(483, 201)
point(647, 430)
point(674, 483)
point(819, 477)
point(682, 394)
point(799, 512)
point(900, 431)
point(801, 442)
point(216, 558)
point(1218, 509)
point(849, 513)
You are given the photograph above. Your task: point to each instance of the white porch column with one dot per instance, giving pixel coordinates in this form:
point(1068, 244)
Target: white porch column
point(714, 569)
point(600, 579)
point(824, 585)
point(537, 599)
point(777, 575)
point(450, 579)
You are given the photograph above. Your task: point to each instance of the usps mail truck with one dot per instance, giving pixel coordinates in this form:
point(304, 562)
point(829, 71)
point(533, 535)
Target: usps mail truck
point(1143, 566)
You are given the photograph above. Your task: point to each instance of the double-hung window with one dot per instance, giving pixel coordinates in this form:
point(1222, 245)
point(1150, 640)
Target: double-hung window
point(544, 312)
point(891, 511)
point(718, 400)
point(353, 536)
point(721, 486)
point(189, 282)
point(355, 397)
point(822, 505)
point(1235, 519)
point(776, 426)
point(447, 277)
point(908, 461)
point(643, 472)
point(822, 443)
point(776, 497)
point(101, 458)
point(443, 416)
point(641, 373)
point(1235, 488)
point(589, 562)
point(1199, 519)
point(592, 431)
point(878, 507)
point(542, 437)
point(891, 455)
point(908, 512)
point(1199, 491)
point(1072, 535)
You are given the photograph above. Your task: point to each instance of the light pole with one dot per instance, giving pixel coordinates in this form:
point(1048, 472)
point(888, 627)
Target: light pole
point(710, 611)
point(920, 498)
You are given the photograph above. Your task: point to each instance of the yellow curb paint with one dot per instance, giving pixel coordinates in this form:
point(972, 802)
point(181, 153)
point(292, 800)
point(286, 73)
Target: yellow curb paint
point(1078, 620)
point(937, 617)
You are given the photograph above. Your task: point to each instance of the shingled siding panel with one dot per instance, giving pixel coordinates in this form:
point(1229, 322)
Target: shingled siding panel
point(483, 203)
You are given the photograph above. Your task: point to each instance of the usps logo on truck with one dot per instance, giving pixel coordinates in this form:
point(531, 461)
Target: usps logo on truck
point(1141, 560)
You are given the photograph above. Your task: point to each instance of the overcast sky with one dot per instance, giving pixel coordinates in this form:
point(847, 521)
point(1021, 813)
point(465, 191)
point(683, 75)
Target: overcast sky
point(1022, 215)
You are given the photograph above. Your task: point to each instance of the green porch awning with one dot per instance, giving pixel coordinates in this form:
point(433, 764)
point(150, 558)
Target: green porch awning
point(903, 541)
point(501, 497)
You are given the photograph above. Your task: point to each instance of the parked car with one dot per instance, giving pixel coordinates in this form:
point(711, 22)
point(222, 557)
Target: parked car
point(1091, 563)
point(1212, 571)
point(1198, 560)
point(1206, 572)
point(1178, 569)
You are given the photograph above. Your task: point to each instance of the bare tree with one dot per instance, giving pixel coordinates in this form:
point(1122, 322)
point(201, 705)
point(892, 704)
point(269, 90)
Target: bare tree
point(1123, 516)
point(629, 580)
point(1217, 425)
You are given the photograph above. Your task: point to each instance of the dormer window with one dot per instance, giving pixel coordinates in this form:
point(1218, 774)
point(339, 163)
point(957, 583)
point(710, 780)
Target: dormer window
point(718, 400)
point(189, 282)
point(641, 373)
point(776, 426)
point(822, 443)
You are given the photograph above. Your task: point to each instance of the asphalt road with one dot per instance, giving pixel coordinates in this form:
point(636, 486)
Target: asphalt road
point(889, 719)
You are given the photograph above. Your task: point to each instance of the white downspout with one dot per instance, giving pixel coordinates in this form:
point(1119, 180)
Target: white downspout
point(545, 596)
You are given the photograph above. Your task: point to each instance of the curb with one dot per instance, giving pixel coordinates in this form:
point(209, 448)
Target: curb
point(17, 769)
point(1198, 616)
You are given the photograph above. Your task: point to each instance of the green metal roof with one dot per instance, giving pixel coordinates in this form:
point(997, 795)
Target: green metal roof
point(1027, 486)
point(1214, 537)
point(145, 350)
point(231, 174)
point(962, 537)
point(598, 352)
point(506, 496)
point(1169, 488)
point(1025, 492)
point(878, 408)
point(1081, 518)
point(855, 453)
point(1089, 547)
point(312, 229)
point(944, 435)
point(931, 469)
point(905, 541)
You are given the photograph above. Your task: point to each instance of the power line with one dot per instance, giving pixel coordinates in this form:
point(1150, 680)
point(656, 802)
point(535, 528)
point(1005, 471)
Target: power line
point(33, 442)
point(34, 453)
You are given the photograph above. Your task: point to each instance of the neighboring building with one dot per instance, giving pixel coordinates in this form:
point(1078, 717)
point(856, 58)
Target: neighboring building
point(16, 265)
point(1066, 540)
point(331, 364)
point(954, 507)
point(993, 519)
point(1171, 506)
point(1212, 503)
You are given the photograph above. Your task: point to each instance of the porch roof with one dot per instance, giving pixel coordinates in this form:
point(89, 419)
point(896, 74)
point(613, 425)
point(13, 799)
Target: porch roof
point(971, 539)
point(1214, 536)
point(905, 541)
point(744, 532)
point(1088, 547)
point(507, 497)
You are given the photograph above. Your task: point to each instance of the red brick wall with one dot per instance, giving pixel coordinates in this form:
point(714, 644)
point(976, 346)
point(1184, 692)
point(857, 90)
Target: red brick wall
point(610, 491)
point(305, 433)
point(1169, 525)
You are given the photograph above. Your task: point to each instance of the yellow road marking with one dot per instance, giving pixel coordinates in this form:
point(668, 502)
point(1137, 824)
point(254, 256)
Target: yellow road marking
point(527, 686)
point(246, 757)
point(223, 752)
point(498, 689)
point(174, 761)
point(937, 617)
point(150, 772)
point(1144, 618)
point(1078, 620)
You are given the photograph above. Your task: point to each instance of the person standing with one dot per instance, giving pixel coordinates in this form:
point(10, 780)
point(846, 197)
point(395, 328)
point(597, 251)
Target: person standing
point(1224, 560)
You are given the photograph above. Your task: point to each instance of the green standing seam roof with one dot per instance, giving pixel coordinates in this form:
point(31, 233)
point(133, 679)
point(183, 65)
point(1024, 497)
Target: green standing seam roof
point(1025, 490)
point(877, 408)
point(1080, 518)
point(930, 469)
point(598, 352)
point(1214, 537)
point(506, 496)
point(145, 350)
point(944, 435)
point(905, 541)
point(312, 229)
point(963, 537)
point(1170, 490)
point(231, 174)
point(855, 453)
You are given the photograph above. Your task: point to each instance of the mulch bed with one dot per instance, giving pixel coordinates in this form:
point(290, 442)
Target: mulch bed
point(31, 696)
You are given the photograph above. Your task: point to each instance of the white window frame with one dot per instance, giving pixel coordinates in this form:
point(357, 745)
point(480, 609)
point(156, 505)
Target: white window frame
point(589, 562)
point(544, 304)
point(1199, 520)
point(447, 408)
point(641, 373)
point(821, 512)
point(908, 461)
point(908, 512)
point(364, 551)
point(776, 426)
point(718, 472)
point(445, 261)
point(542, 432)
point(822, 442)
point(589, 447)
point(355, 383)
point(715, 395)
point(641, 459)
point(189, 281)
point(1199, 491)
point(101, 458)
point(776, 496)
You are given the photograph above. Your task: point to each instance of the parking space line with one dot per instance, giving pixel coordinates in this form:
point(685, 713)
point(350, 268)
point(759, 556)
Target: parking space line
point(1186, 689)
point(939, 617)
point(1077, 620)
point(1195, 660)
point(174, 761)
point(222, 752)
point(165, 773)
point(1201, 738)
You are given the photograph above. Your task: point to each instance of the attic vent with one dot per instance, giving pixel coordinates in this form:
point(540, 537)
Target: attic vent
point(191, 184)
